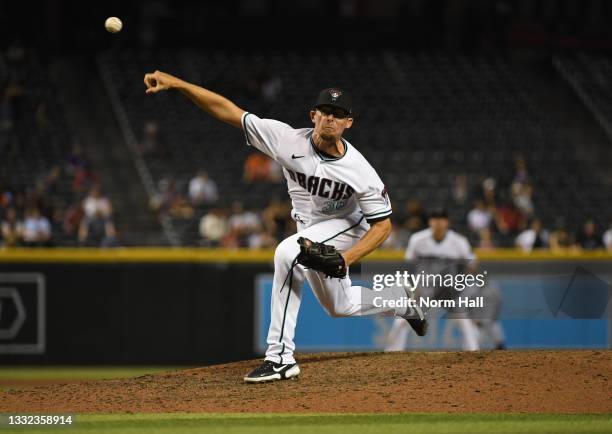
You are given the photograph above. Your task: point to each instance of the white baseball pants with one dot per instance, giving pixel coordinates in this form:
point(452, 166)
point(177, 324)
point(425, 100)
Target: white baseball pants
point(337, 296)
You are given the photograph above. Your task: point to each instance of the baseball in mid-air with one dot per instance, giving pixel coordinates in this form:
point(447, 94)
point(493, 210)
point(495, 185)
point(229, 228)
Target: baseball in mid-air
point(113, 24)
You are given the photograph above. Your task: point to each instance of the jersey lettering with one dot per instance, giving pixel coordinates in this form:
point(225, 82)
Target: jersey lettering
point(349, 192)
point(338, 191)
point(322, 191)
point(301, 180)
point(322, 187)
point(313, 184)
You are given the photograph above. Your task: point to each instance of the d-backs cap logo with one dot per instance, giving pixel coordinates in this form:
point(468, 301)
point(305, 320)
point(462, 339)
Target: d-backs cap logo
point(335, 94)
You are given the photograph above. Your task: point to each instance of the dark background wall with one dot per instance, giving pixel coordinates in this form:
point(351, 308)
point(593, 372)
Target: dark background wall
point(144, 313)
point(473, 25)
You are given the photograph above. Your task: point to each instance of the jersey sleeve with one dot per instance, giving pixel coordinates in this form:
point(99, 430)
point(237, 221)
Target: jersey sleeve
point(466, 251)
point(372, 197)
point(410, 253)
point(264, 134)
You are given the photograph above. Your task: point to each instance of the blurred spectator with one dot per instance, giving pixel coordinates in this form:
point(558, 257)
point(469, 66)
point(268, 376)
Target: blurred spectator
point(71, 220)
point(479, 217)
point(36, 229)
point(162, 199)
point(415, 217)
point(485, 239)
point(97, 204)
point(489, 192)
point(79, 169)
point(508, 218)
point(243, 220)
point(277, 218)
point(83, 180)
point(12, 229)
point(39, 198)
point(6, 195)
point(521, 195)
point(258, 167)
point(560, 239)
point(520, 176)
point(607, 238)
point(589, 239)
point(98, 230)
point(261, 239)
point(169, 201)
point(213, 227)
point(242, 223)
point(202, 189)
point(460, 190)
point(533, 238)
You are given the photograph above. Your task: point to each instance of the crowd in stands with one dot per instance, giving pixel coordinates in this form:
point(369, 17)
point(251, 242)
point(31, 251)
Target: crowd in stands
point(500, 217)
point(60, 201)
point(49, 191)
point(508, 218)
point(220, 224)
point(64, 208)
point(442, 129)
point(67, 207)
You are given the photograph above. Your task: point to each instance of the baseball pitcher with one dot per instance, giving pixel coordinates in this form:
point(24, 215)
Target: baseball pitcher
point(340, 205)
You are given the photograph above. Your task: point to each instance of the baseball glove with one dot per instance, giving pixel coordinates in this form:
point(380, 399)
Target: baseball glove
point(321, 257)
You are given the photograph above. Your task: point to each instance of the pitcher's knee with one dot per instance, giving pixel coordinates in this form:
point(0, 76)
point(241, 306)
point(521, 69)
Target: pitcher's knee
point(337, 311)
point(286, 252)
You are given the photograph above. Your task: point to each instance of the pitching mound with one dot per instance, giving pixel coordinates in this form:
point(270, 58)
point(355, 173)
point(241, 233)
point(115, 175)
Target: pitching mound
point(510, 381)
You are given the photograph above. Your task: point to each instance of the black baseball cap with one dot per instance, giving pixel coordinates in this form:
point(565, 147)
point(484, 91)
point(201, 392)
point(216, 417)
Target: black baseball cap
point(335, 97)
point(438, 213)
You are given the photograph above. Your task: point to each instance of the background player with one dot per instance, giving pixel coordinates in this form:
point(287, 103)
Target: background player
point(337, 198)
point(487, 317)
point(438, 249)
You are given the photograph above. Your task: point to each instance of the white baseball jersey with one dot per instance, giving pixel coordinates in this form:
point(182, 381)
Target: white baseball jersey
point(436, 256)
point(321, 187)
point(422, 245)
point(450, 255)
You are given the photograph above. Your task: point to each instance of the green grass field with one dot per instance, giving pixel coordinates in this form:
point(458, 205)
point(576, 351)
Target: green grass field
point(59, 373)
point(323, 423)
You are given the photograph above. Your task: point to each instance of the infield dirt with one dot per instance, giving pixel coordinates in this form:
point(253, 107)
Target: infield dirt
point(499, 381)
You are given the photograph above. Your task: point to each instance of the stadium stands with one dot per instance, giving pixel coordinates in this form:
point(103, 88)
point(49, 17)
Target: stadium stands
point(589, 75)
point(421, 119)
point(430, 123)
point(42, 165)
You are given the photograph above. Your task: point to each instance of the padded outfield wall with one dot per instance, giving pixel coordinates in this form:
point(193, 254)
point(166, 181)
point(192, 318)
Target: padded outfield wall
point(195, 306)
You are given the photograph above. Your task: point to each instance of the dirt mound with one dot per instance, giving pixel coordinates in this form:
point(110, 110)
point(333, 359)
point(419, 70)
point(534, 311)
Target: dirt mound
point(501, 381)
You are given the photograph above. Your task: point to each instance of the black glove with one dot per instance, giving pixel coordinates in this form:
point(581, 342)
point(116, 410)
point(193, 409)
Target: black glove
point(321, 257)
